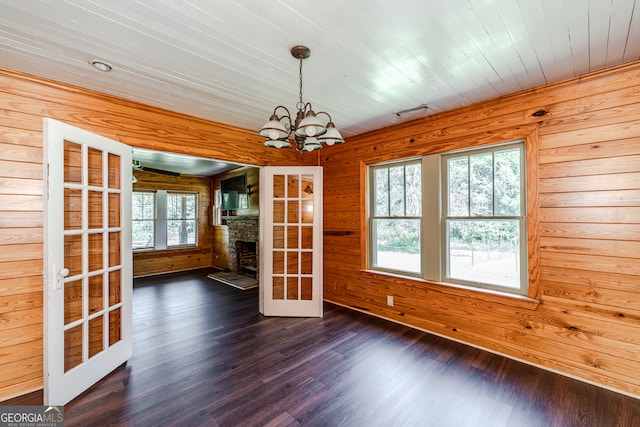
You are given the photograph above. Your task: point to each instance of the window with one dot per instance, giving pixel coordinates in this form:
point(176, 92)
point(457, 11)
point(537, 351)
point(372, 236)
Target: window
point(217, 216)
point(144, 218)
point(396, 208)
point(182, 223)
point(164, 219)
point(458, 217)
point(483, 217)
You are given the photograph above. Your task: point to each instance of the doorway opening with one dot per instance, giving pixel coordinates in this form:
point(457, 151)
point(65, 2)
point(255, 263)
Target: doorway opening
point(194, 182)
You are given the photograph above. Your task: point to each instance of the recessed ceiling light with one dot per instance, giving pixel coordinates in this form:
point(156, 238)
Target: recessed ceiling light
point(101, 65)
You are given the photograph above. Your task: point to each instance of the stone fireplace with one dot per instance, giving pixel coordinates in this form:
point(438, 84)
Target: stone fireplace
point(247, 257)
point(243, 244)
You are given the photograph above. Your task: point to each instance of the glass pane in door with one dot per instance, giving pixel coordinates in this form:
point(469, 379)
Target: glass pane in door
point(115, 326)
point(115, 296)
point(72, 162)
point(95, 336)
point(114, 171)
point(72, 347)
point(72, 301)
point(72, 209)
point(94, 169)
point(73, 254)
point(95, 209)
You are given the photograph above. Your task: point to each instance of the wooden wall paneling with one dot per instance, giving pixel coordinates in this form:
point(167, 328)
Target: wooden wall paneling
point(17, 302)
point(21, 252)
point(584, 201)
point(20, 136)
point(590, 263)
point(20, 186)
point(12, 169)
point(587, 199)
point(17, 252)
point(133, 123)
point(594, 231)
point(600, 295)
point(220, 247)
point(595, 110)
point(594, 279)
point(20, 285)
point(532, 160)
point(608, 182)
point(589, 134)
point(602, 315)
point(22, 370)
point(612, 248)
point(593, 150)
point(621, 215)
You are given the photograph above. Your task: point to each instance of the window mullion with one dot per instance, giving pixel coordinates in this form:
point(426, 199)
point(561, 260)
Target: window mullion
point(388, 191)
point(404, 189)
point(468, 186)
point(493, 183)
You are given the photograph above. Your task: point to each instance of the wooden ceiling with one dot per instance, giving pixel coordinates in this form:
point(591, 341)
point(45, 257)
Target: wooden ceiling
point(229, 61)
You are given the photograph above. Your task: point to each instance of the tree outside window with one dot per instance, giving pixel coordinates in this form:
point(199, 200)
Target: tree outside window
point(397, 210)
point(182, 214)
point(483, 220)
point(143, 219)
point(163, 219)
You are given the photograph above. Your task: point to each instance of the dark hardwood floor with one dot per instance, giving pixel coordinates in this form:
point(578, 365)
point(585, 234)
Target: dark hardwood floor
point(203, 356)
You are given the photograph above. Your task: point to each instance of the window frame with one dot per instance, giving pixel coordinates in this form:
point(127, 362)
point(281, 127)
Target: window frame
point(522, 218)
point(433, 257)
point(372, 256)
point(161, 221)
point(152, 220)
point(170, 193)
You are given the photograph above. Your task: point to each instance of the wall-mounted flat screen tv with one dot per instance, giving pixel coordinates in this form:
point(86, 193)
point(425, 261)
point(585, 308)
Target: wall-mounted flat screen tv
point(234, 193)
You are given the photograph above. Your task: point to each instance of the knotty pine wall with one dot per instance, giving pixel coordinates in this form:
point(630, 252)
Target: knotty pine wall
point(147, 262)
point(583, 168)
point(24, 102)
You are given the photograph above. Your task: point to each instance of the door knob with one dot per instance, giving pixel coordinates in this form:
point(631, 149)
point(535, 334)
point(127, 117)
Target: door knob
point(57, 276)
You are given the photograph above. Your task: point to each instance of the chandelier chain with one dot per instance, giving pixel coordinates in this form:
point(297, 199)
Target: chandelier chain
point(300, 103)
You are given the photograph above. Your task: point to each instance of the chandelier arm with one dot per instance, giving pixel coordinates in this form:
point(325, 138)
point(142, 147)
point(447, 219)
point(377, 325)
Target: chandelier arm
point(287, 116)
point(327, 114)
point(305, 107)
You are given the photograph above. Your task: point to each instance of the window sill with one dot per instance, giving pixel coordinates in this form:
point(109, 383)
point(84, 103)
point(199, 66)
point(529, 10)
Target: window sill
point(520, 301)
point(170, 249)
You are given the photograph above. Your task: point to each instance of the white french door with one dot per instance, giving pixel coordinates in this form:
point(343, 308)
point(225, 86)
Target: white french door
point(291, 252)
point(88, 271)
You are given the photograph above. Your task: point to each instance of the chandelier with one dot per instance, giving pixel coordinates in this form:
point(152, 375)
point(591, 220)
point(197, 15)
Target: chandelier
point(308, 131)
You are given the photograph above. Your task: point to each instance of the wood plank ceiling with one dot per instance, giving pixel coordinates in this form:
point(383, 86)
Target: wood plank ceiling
point(229, 61)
